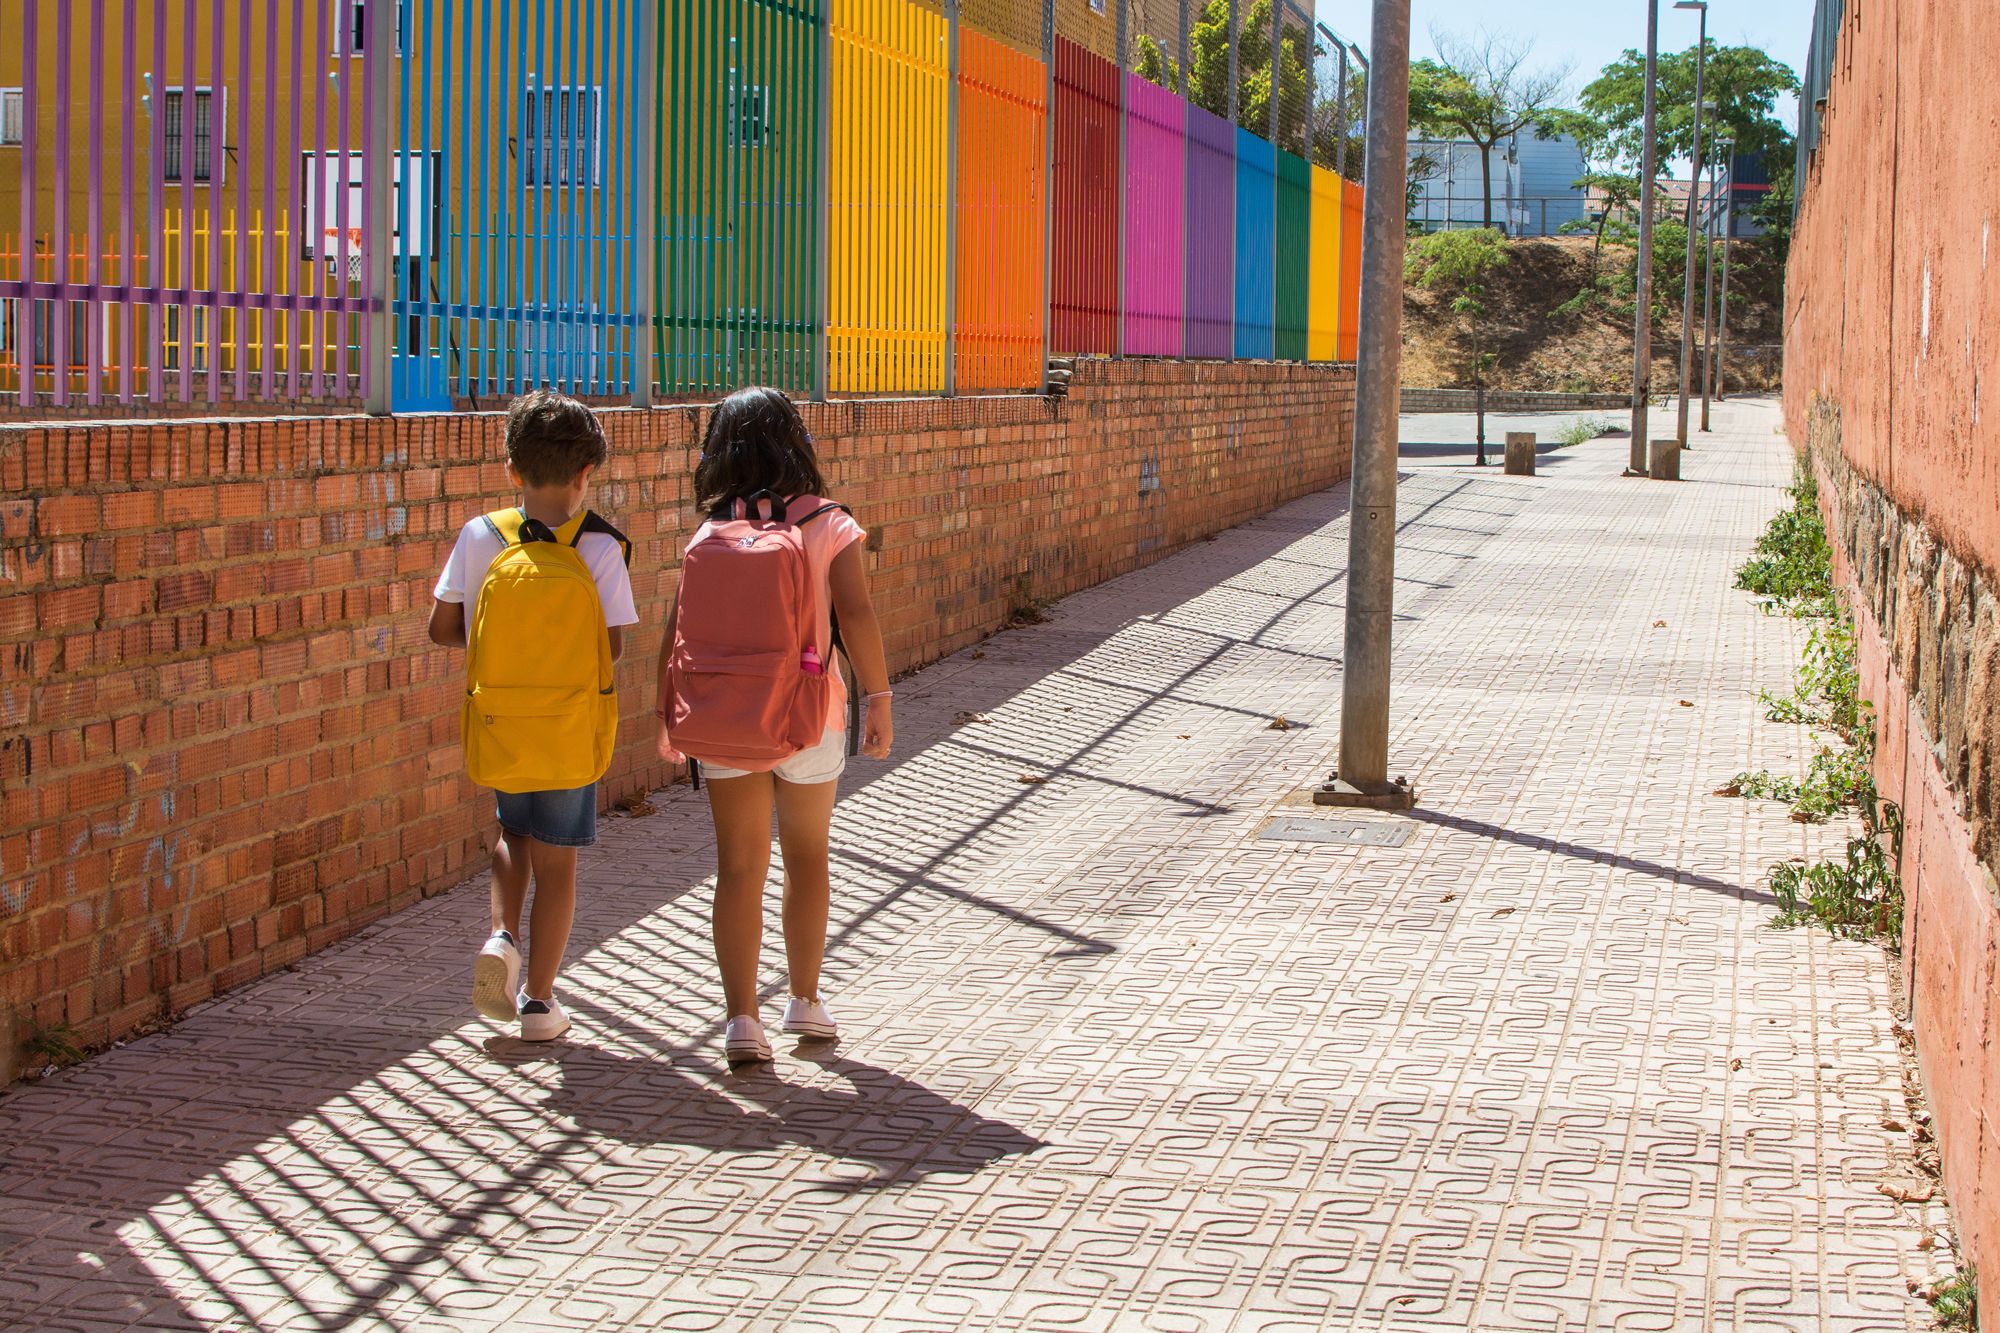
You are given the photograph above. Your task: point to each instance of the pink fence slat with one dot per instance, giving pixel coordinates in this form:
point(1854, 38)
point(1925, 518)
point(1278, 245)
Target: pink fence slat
point(93, 351)
point(128, 150)
point(59, 247)
point(1155, 217)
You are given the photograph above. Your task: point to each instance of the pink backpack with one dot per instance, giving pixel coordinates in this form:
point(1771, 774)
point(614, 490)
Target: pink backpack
point(746, 680)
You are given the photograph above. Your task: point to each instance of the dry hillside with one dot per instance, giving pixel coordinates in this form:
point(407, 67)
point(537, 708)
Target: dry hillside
point(1541, 347)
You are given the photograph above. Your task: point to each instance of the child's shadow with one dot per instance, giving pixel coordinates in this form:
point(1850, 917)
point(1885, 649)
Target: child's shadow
point(898, 1131)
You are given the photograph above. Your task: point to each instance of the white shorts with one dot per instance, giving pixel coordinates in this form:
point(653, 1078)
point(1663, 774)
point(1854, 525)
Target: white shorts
point(824, 762)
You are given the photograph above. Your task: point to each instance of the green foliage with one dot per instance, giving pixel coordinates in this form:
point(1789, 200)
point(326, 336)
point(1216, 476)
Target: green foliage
point(1208, 82)
point(1456, 262)
point(1482, 90)
point(1743, 81)
point(1583, 429)
point(1955, 1300)
point(1773, 210)
point(1793, 565)
point(1858, 895)
point(54, 1044)
point(1156, 66)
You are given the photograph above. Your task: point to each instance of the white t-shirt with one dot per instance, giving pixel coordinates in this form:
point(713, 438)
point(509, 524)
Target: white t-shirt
point(478, 546)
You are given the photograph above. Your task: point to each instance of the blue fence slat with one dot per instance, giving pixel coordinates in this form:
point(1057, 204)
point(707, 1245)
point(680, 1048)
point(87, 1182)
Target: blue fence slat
point(1256, 223)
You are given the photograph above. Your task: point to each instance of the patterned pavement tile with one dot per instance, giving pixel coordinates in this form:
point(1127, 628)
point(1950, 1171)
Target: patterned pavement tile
point(1111, 1059)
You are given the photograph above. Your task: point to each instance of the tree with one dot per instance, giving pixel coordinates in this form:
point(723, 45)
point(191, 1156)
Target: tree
point(1208, 81)
point(1457, 265)
point(1743, 82)
point(1481, 89)
point(1773, 212)
point(1327, 122)
point(1156, 66)
point(1614, 189)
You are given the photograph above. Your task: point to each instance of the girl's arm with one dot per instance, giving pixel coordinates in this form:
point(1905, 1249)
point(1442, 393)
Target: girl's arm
point(862, 634)
point(664, 742)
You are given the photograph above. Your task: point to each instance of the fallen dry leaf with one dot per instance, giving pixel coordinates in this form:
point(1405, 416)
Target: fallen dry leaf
point(635, 806)
point(1279, 724)
point(1659, 624)
point(1449, 898)
point(1908, 1193)
point(1687, 703)
point(1504, 911)
point(1893, 1125)
point(978, 653)
point(1031, 779)
point(965, 719)
point(1735, 1064)
point(1180, 738)
point(1730, 789)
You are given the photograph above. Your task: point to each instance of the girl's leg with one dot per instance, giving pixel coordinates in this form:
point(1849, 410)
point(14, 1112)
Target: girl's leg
point(805, 812)
point(742, 810)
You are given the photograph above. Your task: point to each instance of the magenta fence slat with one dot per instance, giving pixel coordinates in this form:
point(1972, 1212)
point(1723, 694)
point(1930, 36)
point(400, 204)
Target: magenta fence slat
point(93, 355)
point(1211, 234)
point(59, 220)
point(1155, 221)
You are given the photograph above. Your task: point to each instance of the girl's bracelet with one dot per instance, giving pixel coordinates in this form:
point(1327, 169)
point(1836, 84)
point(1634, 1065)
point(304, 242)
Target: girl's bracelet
point(660, 713)
point(879, 694)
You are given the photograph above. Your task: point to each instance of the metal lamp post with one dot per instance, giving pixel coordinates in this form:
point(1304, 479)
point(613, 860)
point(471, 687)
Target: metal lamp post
point(1708, 281)
point(1642, 319)
point(1687, 281)
point(1728, 235)
point(1363, 776)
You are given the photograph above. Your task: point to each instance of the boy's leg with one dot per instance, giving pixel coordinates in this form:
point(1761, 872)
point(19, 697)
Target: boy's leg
point(742, 810)
point(510, 882)
point(554, 911)
point(805, 813)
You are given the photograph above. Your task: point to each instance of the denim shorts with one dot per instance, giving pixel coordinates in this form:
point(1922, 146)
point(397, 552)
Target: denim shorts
point(557, 818)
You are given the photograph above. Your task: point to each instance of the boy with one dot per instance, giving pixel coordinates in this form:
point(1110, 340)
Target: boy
point(554, 444)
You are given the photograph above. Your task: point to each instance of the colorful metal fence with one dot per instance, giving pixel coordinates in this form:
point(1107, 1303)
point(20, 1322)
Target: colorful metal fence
point(1256, 223)
point(280, 201)
point(1293, 238)
point(1084, 310)
point(1211, 235)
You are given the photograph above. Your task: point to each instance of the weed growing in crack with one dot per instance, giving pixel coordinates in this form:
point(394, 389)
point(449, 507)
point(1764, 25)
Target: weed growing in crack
point(1955, 1300)
point(1860, 892)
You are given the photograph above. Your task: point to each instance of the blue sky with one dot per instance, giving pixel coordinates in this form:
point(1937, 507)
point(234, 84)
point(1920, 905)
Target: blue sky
point(1590, 33)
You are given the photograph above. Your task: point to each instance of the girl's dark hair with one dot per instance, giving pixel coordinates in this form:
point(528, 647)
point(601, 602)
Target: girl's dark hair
point(756, 441)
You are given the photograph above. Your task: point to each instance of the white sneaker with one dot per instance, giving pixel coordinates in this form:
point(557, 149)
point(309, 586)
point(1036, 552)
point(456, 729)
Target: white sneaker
point(496, 975)
point(542, 1020)
point(809, 1018)
point(744, 1042)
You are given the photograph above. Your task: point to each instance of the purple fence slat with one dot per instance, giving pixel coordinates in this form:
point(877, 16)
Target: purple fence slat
point(1211, 234)
point(30, 150)
point(128, 152)
point(1155, 208)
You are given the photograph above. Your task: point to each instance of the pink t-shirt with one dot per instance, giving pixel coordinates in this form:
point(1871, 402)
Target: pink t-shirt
point(824, 538)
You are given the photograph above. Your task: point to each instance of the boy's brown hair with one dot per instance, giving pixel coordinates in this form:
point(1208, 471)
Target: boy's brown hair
point(551, 438)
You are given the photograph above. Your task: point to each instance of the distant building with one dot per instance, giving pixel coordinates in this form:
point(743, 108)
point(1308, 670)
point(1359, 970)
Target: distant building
point(1533, 184)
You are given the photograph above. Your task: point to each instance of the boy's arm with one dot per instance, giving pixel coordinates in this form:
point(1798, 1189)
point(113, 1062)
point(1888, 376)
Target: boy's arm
point(617, 635)
point(448, 625)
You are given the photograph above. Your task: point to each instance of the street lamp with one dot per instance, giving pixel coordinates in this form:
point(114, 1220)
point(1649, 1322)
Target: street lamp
point(1642, 318)
point(1728, 235)
point(1708, 278)
point(1687, 280)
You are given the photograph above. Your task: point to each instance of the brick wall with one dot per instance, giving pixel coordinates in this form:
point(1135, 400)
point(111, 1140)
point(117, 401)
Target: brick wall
point(1892, 329)
point(228, 740)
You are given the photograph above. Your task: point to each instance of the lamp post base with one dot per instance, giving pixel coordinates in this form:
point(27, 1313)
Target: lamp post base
point(1397, 795)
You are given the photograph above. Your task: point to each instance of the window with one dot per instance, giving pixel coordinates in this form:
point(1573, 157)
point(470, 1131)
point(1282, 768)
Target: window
point(10, 116)
point(173, 106)
point(561, 136)
point(749, 120)
point(351, 37)
point(170, 339)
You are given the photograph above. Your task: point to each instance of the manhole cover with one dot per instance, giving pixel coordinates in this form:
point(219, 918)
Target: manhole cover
point(1346, 832)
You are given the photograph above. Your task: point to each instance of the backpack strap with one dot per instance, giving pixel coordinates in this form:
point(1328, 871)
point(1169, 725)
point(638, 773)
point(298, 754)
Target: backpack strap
point(840, 646)
point(595, 522)
point(506, 525)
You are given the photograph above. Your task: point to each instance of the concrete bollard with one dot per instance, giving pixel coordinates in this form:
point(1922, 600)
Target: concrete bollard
point(1520, 453)
point(1663, 460)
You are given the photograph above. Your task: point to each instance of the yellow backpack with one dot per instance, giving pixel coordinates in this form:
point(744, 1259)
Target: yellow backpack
point(541, 707)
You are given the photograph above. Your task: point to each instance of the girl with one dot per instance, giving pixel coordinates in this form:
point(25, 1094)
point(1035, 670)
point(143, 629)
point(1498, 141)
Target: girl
point(757, 443)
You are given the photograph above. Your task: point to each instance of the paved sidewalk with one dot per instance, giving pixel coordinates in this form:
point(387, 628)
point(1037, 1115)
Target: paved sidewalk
point(1114, 1058)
